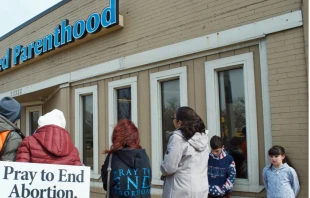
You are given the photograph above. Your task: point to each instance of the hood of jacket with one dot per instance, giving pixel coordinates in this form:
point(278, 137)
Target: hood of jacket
point(199, 141)
point(222, 155)
point(5, 125)
point(54, 139)
point(283, 166)
point(132, 157)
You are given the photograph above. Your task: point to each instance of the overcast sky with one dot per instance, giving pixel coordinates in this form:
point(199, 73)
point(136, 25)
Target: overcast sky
point(15, 12)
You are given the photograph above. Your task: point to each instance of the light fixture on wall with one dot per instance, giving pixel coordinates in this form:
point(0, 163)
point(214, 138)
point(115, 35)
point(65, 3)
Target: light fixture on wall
point(42, 99)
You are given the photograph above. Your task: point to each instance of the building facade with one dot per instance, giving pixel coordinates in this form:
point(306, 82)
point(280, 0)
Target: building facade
point(241, 65)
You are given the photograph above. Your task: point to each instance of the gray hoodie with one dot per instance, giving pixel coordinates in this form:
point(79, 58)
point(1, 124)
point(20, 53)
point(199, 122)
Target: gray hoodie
point(185, 166)
point(12, 140)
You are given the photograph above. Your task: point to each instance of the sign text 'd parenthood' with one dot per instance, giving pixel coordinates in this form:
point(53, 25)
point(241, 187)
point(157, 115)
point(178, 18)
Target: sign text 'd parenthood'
point(44, 180)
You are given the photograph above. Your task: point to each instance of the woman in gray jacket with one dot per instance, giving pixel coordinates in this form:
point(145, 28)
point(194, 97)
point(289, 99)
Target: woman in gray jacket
point(185, 164)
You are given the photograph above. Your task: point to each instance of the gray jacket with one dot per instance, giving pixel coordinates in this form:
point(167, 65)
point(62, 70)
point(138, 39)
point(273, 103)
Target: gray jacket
point(12, 140)
point(185, 166)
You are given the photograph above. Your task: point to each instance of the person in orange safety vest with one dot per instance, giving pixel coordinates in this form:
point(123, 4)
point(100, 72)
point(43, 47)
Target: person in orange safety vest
point(10, 135)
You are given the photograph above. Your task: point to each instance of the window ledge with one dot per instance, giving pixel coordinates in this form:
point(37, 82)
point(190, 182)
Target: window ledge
point(95, 176)
point(248, 188)
point(157, 182)
point(237, 188)
point(239, 197)
point(154, 191)
point(96, 184)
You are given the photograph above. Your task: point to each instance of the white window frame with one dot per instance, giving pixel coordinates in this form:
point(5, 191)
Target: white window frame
point(91, 90)
point(213, 112)
point(28, 110)
point(156, 113)
point(113, 87)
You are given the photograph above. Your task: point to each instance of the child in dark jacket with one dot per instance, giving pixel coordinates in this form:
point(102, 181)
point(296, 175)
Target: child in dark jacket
point(221, 170)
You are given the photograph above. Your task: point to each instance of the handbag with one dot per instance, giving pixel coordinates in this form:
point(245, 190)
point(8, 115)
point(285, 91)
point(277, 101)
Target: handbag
point(108, 178)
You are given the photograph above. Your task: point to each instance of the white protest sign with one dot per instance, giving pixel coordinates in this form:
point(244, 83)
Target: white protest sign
point(30, 180)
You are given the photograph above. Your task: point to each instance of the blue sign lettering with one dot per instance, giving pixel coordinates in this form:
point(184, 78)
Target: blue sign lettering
point(66, 32)
point(38, 47)
point(5, 62)
point(31, 50)
point(93, 23)
point(16, 54)
point(109, 16)
point(62, 35)
point(79, 29)
point(48, 43)
point(56, 36)
point(23, 56)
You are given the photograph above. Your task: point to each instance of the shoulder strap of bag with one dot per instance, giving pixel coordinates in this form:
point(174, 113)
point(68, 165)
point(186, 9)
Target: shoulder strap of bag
point(20, 133)
point(108, 178)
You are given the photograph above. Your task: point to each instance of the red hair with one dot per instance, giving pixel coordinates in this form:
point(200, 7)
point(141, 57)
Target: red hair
point(125, 134)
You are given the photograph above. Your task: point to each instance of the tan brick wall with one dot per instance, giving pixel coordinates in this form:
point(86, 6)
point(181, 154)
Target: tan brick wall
point(197, 100)
point(305, 14)
point(148, 25)
point(289, 98)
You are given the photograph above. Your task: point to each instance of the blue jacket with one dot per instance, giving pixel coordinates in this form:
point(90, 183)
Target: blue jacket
point(221, 173)
point(282, 182)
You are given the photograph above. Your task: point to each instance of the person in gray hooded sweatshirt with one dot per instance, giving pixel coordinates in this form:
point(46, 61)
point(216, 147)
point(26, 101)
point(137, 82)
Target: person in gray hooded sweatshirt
point(10, 135)
point(185, 165)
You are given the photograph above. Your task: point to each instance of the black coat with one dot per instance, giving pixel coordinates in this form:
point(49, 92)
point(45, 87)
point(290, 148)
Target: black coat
point(131, 174)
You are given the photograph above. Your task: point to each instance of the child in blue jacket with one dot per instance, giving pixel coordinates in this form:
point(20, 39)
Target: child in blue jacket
point(221, 170)
point(280, 179)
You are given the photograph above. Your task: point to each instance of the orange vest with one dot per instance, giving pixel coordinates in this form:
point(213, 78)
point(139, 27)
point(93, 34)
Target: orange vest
point(3, 136)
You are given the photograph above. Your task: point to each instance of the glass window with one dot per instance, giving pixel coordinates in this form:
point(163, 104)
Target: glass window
point(33, 122)
point(166, 97)
point(88, 151)
point(32, 117)
point(86, 127)
point(124, 103)
point(232, 117)
point(170, 96)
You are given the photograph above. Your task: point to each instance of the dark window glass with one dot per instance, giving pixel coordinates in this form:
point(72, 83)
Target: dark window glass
point(232, 117)
point(88, 136)
point(33, 125)
point(124, 103)
point(170, 95)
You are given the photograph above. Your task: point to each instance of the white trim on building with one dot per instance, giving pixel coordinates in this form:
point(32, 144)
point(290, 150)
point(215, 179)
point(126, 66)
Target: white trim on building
point(265, 97)
point(156, 111)
point(113, 86)
point(91, 90)
point(213, 112)
point(28, 111)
